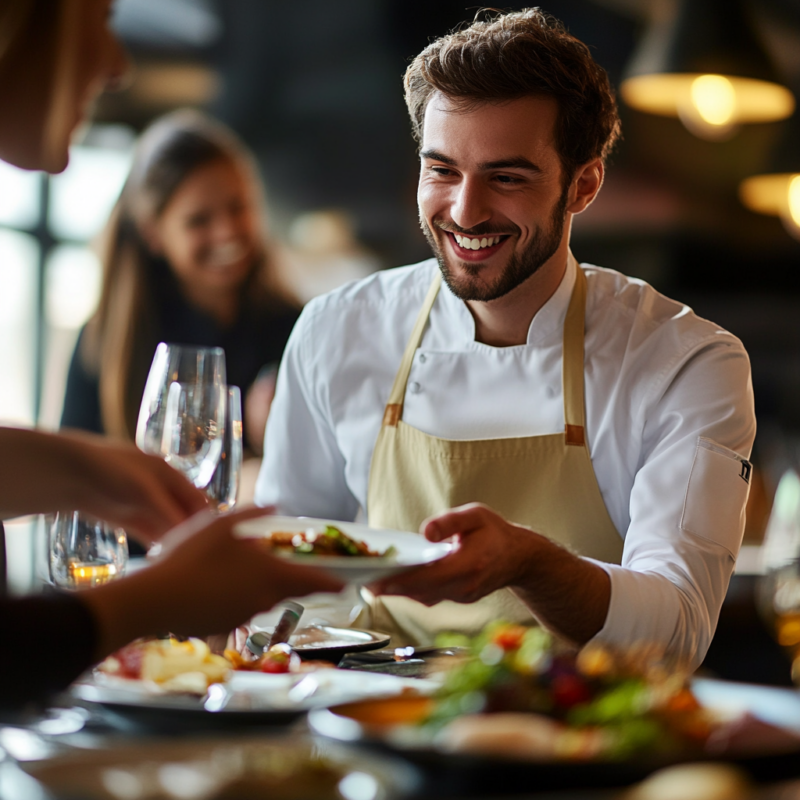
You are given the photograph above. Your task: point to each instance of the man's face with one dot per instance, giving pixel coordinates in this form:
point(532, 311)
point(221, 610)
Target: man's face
point(492, 196)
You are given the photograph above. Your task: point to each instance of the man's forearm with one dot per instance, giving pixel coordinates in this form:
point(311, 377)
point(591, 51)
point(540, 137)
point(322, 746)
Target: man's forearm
point(568, 595)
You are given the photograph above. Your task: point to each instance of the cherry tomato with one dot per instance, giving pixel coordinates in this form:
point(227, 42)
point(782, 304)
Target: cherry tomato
point(509, 637)
point(569, 691)
point(279, 658)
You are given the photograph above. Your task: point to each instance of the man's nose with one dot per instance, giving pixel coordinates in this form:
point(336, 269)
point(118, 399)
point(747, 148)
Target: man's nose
point(470, 205)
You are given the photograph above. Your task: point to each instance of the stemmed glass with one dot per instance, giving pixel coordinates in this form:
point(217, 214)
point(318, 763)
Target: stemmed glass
point(182, 415)
point(223, 488)
point(779, 586)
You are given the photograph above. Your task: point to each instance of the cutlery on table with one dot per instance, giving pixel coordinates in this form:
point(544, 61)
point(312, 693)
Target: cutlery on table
point(260, 641)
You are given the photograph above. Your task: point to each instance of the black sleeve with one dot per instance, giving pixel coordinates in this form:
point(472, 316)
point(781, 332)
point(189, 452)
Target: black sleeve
point(31, 670)
point(82, 396)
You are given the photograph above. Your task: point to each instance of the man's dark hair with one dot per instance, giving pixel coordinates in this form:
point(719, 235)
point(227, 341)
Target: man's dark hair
point(504, 57)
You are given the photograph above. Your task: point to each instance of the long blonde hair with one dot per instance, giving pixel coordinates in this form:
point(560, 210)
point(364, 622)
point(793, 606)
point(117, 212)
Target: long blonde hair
point(121, 336)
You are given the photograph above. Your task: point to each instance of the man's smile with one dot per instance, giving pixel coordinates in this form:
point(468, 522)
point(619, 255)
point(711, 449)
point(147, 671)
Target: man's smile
point(475, 248)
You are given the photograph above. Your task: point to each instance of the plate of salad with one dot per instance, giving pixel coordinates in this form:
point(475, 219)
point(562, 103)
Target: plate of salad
point(521, 705)
point(354, 552)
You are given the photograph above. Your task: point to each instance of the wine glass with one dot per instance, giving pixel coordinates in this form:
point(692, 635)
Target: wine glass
point(182, 415)
point(85, 552)
point(779, 586)
point(223, 487)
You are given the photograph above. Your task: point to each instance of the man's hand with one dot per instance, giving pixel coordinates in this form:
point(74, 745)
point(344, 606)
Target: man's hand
point(490, 554)
point(568, 595)
point(208, 581)
point(44, 473)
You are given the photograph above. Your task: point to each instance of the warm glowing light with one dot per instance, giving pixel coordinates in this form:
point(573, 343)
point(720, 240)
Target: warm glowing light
point(771, 194)
point(794, 200)
point(665, 94)
point(777, 194)
point(714, 98)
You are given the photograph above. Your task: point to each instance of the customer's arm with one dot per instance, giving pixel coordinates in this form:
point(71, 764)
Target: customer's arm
point(44, 473)
point(209, 582)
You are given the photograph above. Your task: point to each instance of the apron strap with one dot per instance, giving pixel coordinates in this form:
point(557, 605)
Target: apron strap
point(572, 364)
point(394, 408)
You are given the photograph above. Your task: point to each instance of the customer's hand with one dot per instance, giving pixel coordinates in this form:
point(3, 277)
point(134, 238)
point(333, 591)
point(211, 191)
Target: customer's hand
point(207, 581)
point(44, 472)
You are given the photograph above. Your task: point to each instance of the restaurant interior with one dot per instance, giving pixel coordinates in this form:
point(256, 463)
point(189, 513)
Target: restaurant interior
point(700, 200)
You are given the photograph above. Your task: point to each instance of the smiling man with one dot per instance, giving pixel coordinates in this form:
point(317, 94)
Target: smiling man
point(582, 438)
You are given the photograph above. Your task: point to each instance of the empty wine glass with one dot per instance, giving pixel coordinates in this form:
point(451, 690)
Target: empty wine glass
point(182, 415)
point(779, 586)
point(85, 552)
point(223, 488)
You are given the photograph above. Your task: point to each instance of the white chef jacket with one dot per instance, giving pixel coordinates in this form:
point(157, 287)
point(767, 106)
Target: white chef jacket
point(669, 423)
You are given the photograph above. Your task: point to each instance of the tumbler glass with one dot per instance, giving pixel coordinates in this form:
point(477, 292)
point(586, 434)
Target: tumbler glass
point(85, 552)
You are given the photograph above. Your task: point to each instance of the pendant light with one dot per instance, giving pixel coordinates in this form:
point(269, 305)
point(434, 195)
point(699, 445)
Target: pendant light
point(703, 63)
point(777, 190)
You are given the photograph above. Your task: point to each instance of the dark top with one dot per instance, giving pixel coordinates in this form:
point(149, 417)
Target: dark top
point(30, 669)
point(257, 339)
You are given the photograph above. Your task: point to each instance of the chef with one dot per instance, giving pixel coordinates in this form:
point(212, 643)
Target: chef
point(582, 438)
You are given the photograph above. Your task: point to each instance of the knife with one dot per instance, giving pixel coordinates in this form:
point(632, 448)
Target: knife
point(260, 641)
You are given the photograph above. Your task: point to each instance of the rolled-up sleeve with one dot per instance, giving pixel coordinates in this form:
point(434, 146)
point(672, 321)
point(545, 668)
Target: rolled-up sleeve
point(687, 504)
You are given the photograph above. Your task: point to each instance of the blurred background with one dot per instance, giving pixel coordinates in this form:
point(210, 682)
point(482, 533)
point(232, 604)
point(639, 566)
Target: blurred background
point(314, 88)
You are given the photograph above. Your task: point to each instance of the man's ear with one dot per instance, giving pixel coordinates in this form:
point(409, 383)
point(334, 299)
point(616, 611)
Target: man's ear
point(585, 185)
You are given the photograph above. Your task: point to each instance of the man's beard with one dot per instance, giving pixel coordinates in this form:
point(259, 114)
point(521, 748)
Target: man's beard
point(519, 268)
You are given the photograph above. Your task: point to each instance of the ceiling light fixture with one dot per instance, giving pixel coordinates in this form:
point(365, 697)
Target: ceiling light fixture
point(777, 190)
point(703, 63)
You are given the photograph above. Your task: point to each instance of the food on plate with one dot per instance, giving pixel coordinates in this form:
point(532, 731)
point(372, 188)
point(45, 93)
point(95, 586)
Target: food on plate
point(330, 542)
point(190, 666)
point(519, 693)
point(557, 703)
point(173, 665)
point(280, 658)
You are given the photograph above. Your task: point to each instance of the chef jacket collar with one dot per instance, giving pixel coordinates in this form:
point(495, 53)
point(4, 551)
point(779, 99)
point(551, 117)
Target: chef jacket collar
point(548, 320)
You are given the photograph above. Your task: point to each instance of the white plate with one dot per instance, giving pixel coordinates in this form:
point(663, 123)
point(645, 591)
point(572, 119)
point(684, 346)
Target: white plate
point(411, 549)
point(255, 694)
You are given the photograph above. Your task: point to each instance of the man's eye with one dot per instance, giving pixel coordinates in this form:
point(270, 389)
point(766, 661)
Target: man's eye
point(443, 171)
point(508, 179)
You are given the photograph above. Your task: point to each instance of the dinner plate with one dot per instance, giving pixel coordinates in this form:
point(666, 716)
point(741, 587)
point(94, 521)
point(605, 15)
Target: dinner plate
point(282, 768)
point(327, 643)
point(411, 549)
point(766, 745)
point(247, 698)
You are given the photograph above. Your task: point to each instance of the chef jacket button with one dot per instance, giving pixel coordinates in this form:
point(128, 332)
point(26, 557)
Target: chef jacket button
point(422, 358)
point(414, 387)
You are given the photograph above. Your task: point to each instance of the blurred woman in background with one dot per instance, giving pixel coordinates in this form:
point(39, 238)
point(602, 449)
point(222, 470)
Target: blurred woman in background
point(185, 260)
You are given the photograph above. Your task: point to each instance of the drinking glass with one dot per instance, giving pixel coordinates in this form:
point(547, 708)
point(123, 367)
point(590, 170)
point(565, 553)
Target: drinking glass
point(182, 415)
point(223, 488)
point(779, 587)
point(85, 552)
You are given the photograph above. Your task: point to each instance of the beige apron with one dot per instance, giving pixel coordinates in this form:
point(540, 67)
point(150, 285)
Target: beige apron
point(546, 483)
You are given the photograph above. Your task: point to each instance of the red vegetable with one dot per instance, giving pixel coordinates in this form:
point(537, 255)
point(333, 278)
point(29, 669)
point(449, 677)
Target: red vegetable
point(509, 637)
point(279, 658)
point(569, 690)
